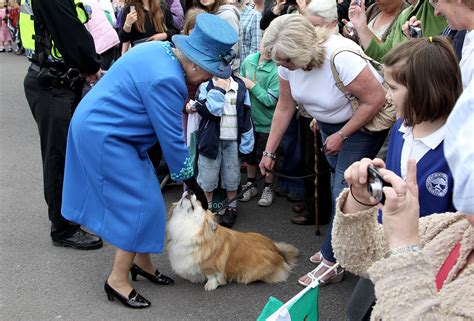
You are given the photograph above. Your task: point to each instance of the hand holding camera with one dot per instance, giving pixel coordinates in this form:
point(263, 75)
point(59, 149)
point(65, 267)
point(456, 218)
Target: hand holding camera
point(400, 212)
point(357, 177)
point(357, 16)
point(412, 28)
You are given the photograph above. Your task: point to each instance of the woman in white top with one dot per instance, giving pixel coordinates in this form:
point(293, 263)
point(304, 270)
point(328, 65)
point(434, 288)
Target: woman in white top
point(303, 53)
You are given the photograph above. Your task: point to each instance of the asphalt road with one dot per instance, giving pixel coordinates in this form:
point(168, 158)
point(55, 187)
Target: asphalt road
point(43, 282)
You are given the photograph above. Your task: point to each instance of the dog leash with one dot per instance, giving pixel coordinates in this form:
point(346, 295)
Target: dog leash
point(226, 202)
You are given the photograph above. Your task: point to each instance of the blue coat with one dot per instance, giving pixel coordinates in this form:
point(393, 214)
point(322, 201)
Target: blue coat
point(109, 182)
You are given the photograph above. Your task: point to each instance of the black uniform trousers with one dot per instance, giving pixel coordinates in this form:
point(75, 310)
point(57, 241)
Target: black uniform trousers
point(52, 110)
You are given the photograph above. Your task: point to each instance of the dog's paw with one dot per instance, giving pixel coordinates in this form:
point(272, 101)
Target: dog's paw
point(211, 284)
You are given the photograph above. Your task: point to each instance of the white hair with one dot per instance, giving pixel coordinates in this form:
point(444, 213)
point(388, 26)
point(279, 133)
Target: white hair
point(326, 9)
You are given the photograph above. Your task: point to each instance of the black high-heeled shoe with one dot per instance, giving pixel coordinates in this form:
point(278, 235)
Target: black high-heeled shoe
point(134, 300)
point(158, 278)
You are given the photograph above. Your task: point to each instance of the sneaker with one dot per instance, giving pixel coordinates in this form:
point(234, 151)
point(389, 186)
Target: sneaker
point(228, 219)
point(249, 194)
point(267, 196)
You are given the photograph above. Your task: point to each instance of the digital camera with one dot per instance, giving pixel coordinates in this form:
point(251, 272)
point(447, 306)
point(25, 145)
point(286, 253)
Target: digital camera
point(415, 32)
point(375, 183)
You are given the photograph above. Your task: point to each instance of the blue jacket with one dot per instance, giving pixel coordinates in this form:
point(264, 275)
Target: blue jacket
point(435, 180)
point(210, 105)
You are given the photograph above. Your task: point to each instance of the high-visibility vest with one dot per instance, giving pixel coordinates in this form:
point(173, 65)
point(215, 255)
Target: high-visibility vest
point(29, 38)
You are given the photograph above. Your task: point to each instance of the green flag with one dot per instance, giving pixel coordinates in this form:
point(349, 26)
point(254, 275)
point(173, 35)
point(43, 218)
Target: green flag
point(302, 307)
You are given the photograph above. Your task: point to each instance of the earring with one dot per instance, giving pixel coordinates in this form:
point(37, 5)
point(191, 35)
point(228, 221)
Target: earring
point(194, 68)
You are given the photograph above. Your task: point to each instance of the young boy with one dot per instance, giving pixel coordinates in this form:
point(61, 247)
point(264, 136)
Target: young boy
point(260, 75)
point(225, 131)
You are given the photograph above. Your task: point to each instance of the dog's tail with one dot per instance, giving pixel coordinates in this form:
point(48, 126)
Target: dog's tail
point(289, 252)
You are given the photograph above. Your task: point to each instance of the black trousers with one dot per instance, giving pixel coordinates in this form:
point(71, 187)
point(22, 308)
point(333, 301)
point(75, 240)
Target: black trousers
point(52, 110)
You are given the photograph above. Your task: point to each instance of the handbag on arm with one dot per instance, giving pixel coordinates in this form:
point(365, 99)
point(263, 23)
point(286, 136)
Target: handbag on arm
point(386, 116)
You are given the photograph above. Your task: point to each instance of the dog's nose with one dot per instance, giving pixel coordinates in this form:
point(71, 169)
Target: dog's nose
point(189, 194)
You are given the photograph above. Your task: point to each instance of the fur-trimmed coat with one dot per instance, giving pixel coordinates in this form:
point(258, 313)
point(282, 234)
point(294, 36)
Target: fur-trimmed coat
point(405, 284)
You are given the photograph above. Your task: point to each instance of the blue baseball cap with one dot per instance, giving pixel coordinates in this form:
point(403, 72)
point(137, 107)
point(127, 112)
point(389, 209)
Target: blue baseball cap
point(210, 45)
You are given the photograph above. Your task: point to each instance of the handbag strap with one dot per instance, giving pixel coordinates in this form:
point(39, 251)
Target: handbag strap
point(447, 266)
point(339, 84)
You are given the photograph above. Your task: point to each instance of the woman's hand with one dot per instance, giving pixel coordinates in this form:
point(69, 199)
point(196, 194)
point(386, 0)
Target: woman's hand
point(414, 22)
point(190, 109)
point(302, 7)
point(357, 15)
point(266, 164)
point(200, 195)
point(278, 7)
point(401, 211)
point(132, 17)
point(333, 144)
point(91, 79)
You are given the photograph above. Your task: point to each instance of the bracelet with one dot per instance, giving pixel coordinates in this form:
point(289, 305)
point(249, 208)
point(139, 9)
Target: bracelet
point(355, 199)
point(403, 250)
point(340, 133)
point(126, 24)
point(269, 155)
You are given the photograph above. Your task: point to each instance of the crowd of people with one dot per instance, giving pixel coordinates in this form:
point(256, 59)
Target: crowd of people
point(389, 87)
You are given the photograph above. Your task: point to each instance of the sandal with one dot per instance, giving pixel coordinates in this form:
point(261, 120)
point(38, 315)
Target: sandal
point(336, 275)
point(316, 258)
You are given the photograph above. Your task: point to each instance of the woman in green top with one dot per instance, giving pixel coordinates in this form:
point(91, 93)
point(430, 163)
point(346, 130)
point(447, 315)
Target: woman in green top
point(422, 9)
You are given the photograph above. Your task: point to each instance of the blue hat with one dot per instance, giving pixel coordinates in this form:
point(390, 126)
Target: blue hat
point(210, 45)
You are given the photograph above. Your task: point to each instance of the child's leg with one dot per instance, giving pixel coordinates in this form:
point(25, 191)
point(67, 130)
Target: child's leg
point(208, 176)
point(230, 169)
point(230, 175)
point(268, 194)
point(252, 167)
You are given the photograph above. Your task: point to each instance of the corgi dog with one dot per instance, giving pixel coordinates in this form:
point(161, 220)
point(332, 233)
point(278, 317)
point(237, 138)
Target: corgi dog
point(200, 250)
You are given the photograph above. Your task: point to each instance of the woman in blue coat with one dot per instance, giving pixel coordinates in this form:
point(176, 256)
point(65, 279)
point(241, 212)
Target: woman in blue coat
point(110, 185)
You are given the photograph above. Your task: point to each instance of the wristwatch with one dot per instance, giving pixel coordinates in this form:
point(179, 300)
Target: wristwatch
point(403, 249)
point(269, 155)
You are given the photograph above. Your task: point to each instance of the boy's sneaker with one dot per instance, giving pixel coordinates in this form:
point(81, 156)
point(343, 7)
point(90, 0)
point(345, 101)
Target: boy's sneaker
point(251, 192)
point(228, 219)
point(267, 196)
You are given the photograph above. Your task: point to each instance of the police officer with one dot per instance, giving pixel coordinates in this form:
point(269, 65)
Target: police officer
point(63, 56)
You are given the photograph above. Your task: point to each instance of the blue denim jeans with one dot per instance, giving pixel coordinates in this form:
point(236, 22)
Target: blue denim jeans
point(356, 147)
point(292, 160)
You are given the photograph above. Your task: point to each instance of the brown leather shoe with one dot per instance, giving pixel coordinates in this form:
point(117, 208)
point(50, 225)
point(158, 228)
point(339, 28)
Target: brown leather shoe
point(298, 208)
point(302, 220)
